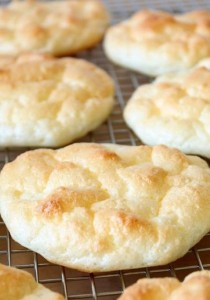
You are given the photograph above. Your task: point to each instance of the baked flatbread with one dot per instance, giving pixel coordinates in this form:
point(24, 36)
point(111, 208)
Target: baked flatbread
point(20, 285)
point(195, 286)
point(174, 110)
point(47, 101)
point(56, 27)
point(156, 42)
point(106, 207)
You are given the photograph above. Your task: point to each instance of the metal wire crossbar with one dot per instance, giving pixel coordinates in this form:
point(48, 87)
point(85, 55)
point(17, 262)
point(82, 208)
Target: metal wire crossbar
point(105, 286)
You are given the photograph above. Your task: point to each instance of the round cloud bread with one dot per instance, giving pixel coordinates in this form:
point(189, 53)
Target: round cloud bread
point(106, 207)
point(58, 27)
point(50, 102)
point(19, 285)
point(174, 110)
point(155, 42)
point(195, 286)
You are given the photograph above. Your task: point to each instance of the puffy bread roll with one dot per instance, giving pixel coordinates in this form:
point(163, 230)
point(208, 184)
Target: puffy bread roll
point(97, 207)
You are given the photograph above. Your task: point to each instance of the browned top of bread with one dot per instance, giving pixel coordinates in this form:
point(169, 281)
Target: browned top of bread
point(46, 101)
point(195, 286)
point(156, 42)
point(58, 27)
point(174, 110)
point(106, 207)
point(20, 285)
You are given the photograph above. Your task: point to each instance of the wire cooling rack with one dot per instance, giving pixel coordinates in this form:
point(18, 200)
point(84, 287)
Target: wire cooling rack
point(105, 286)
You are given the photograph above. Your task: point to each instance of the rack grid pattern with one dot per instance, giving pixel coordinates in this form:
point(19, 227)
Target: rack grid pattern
point(105, 286)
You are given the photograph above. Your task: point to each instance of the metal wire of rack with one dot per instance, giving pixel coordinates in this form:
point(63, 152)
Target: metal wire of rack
point(105, 286)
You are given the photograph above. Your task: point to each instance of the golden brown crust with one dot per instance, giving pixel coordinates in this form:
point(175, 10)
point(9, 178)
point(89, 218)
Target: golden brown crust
point(155, 42)
point(59, 27)
point(46, 101)
point(195, 286)
point(106, 207)
point(174, 110)
point(17, 284)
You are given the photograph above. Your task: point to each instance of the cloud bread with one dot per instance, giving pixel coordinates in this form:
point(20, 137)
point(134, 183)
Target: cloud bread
point(106, 207)
point(195, 286)
point(156, 42)
point(20, 285)
point(58, 27)
point(46, 101)
point(174, 110)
